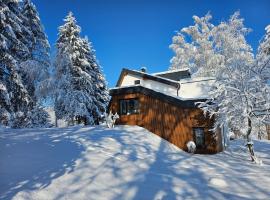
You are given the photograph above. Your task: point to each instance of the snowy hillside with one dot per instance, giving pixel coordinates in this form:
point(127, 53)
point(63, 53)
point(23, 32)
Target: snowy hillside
point(124, 163)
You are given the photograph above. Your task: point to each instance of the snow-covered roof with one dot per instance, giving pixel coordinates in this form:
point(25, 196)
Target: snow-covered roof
point(185, 89)
point(196, 88)
point(157, 94)
point(176, 75)
point(147, 76)
point(170, 71)
point(197, 79)
point(159, 77)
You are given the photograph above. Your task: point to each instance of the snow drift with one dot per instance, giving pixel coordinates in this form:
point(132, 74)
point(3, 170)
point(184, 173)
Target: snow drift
point(126, 162)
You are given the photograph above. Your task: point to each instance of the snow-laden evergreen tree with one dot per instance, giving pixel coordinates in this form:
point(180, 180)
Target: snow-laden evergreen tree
point(74, 93)
point(13, 50)
point(237, 95)
point(101, 93)
point(13, 30)
point(17, 106)
point(5, 107)
point(35, 68)
point(39, 117)
point(39, 46)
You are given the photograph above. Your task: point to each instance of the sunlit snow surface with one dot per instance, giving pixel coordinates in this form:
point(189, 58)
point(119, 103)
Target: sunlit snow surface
point(127, 162)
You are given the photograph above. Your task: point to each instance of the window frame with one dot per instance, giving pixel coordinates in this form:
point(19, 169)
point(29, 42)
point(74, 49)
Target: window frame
point(127, 107)
point(137, 82)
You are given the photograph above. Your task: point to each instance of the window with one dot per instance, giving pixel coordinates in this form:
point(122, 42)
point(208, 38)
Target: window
point(199, 137)
point(129, 106)
point(137, 82)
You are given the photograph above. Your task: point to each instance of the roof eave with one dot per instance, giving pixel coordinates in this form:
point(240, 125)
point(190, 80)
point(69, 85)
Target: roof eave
point(146, 76)
point(146, 91)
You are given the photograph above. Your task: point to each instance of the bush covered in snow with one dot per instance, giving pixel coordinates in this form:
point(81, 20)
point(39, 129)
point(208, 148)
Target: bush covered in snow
point(111, 119)
point(191, 147)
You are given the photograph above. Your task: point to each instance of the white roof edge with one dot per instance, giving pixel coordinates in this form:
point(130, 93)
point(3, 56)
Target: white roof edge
point(127, 86)
point(175, 96)
point(167, 79)
point(198, 79)
point(171, 71)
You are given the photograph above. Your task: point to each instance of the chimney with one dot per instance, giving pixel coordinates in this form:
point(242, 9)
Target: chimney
point(143, 69)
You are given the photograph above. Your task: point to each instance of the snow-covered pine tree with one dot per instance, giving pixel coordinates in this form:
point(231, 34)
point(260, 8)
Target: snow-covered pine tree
point(5, 107)
point(12, 51)
point(74, 95)
point(39, 117)
point(35, 68)
point(39, 47)
point(13, 29)
point(101, 93)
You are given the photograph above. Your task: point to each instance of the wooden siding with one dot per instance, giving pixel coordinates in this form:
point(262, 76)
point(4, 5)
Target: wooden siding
point(268, 131)
point(169, 121)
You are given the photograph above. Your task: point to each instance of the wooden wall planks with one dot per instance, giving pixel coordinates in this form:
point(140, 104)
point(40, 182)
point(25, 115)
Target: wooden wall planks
point(169, 121)
point(268, 131)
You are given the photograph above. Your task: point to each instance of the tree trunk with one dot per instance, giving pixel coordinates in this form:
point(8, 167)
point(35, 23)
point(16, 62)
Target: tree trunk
point(268, 131)
point(260, 135)
point(71, 122)
point(249, 142)
point(78, 119)
point(56, 122)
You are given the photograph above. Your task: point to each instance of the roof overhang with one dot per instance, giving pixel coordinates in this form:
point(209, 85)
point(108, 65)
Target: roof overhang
point(145, 76)
point(158, 95)
point(172, 71)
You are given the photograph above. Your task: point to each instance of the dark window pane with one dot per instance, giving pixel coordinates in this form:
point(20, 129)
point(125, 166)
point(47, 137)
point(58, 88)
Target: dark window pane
point(123, 107)
point(136, 106)
point(137, 82)
point(199, 137)
point(129, 106)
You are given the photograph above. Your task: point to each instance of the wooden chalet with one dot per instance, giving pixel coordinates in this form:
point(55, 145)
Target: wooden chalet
point(165, 104)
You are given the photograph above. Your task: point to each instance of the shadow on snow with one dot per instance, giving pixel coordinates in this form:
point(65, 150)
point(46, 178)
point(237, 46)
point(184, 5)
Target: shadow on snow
point(140, 166)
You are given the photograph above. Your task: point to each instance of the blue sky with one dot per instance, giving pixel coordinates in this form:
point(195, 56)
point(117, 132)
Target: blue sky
point(135, 33)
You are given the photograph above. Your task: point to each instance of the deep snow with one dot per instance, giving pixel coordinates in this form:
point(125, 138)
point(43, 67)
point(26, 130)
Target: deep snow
point(126, 162)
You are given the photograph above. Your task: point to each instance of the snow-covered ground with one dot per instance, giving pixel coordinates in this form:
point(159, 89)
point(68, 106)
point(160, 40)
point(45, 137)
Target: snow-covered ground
point(123, 163)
